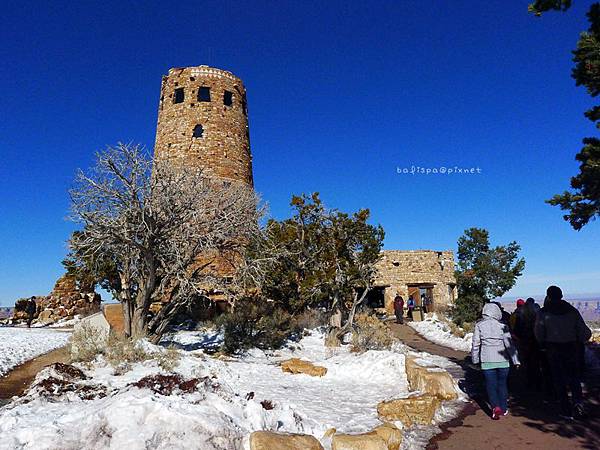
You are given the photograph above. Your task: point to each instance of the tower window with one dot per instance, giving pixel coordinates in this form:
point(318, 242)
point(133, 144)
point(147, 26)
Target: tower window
point(198, 131)
point(204, 94)
point(178, 96)
point(228, 98)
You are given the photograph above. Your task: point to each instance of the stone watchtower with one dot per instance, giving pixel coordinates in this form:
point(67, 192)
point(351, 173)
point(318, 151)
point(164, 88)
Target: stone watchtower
point(203, 122)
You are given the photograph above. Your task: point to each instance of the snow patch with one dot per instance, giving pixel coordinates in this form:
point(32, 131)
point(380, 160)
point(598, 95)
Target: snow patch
point(437, 331)
point(18, 345)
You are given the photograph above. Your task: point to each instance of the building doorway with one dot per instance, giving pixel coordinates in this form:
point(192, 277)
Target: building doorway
point(422, 294)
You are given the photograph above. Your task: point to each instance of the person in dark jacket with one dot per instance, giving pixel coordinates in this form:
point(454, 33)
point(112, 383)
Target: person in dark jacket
point(31, 309)
point(523, 323)
point(493, 347)
point(410, 304)
point(561, 331)
point(399, 309)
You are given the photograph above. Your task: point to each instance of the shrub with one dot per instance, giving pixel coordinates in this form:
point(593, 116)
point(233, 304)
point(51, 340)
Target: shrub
point(87, 342)
point(370, 334)
point(21, 304)
point(255, 322)
point(311, 318)
point(121, 350)
point(169, 359)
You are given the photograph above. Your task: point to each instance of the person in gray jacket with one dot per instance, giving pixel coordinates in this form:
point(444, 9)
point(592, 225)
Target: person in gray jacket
point(493, 347)
point(561, 332)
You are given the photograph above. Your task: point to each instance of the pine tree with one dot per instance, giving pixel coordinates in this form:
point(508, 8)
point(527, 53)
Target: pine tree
point(483, 273)
point(583, 204)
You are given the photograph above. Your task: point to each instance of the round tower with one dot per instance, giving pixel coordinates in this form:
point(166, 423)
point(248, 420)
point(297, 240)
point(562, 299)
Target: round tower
point(203, 121)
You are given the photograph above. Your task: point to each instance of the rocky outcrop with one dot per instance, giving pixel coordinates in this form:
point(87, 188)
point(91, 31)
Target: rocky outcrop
point(66, 300)
point(296, 365)
point(429, 380)
point(383, 437)
point(269, 440)
point(418, 409)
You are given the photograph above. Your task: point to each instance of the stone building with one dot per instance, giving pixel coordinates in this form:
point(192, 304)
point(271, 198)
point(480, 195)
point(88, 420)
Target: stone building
point(203, 122)
point(419, 274)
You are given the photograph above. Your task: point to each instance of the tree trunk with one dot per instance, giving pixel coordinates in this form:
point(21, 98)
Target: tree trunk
point(138, 323)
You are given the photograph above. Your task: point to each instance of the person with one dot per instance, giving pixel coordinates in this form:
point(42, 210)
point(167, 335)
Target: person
point(494, 349)
point(411, 306)
point(30, 309)
point(426, 304)
point(515, 314)
point(399, 308)
point(561, 331)
point(529, 353)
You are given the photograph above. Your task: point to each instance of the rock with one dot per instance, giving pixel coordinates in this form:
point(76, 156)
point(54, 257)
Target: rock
point(430, 380)
point(383, 437)
point(367, 441)
point(390, 434)
point(46, 316)
point(296, 365)
point(269, 440)
point(329, 433)
point(418, 409)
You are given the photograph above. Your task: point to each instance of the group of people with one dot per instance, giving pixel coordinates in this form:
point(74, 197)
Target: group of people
point(548, 342)
point(399, 308)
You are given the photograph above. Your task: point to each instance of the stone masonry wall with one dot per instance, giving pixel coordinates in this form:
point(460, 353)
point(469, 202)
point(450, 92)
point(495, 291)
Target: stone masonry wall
point(397, 269)
point(223, 149)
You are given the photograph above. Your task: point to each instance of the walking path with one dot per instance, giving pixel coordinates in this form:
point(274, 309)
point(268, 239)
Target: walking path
point(19, 379)
point(532, 422)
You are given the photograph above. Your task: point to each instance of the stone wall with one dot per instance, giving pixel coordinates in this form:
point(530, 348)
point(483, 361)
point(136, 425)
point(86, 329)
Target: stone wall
point(397, 270)
point(221, 146)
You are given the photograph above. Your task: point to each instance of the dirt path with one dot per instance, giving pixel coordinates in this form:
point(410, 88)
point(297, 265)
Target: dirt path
point(532, 422)
point(18, 379)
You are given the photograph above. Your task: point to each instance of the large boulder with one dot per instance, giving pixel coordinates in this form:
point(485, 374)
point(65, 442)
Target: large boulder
point(366, 441)
point(430, 380)
point(383, 437)
point(269, 440)
point(296, 365)
point(418, 409)
point(46, 316)
point(390, 434)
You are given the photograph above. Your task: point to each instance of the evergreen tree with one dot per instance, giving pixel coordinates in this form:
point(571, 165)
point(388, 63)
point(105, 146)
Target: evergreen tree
point(483, 273)
point(327, 257)
point(583, 204)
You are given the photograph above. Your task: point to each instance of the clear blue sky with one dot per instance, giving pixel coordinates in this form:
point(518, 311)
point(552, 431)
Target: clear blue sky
point(340, 94)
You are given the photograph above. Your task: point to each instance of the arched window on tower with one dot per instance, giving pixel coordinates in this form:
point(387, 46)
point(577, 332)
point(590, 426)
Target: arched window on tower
point(198, 131)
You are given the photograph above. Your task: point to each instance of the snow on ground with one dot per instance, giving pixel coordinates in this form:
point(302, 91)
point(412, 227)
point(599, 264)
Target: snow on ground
point(438, 331)
point(18, 345)
point(221, 415)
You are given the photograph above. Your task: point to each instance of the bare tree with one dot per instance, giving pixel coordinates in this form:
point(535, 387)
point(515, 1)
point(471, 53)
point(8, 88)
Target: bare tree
point(162, 229)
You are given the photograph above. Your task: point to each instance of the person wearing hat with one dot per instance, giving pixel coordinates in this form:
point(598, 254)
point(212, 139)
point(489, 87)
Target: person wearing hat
point(515, 315)
point(561, 331)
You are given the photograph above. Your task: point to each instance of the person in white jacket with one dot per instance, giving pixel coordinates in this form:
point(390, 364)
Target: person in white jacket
point(493, 347)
